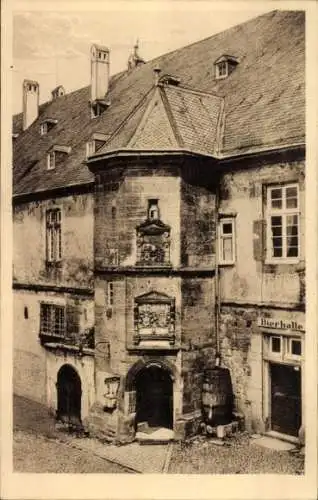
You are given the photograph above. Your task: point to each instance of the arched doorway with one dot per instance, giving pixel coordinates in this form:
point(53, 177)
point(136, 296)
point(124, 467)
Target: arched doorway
point(69, 395)
point(154, 397)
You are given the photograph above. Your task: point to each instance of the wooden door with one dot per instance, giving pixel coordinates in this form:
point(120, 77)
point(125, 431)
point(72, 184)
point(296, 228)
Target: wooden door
point(154, 403)
point(69, 395)
point(285, 398)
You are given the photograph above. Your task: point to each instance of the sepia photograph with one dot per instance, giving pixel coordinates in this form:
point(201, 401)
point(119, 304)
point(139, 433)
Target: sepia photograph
point(158, 240)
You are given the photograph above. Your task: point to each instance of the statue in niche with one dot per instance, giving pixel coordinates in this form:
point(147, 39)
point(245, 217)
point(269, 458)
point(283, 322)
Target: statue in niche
point(153, 238)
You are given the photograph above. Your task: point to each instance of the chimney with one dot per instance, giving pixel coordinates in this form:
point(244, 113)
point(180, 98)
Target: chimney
point(31, 91)
point(99, 72)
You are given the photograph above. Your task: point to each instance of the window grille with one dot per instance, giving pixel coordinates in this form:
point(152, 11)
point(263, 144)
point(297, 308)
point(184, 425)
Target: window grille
point(52, 319)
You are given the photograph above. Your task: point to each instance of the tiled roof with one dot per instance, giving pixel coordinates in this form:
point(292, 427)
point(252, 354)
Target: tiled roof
point(264, 102)
point(171, 118)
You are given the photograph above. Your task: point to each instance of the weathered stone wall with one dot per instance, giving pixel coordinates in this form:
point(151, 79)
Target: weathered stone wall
point(197, 226)
point(241, 347)
point(251, 279)
point(83, 365)
point(189, 209)
point(115, 325)
point(121, 205)
point(29, 369)
point(198, 336)
point(251, 282)
point(29, 366)
point(110, 325)
point(29, 242)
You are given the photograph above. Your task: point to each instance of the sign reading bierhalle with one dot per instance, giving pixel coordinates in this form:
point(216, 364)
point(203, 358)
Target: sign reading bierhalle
point(281, 324)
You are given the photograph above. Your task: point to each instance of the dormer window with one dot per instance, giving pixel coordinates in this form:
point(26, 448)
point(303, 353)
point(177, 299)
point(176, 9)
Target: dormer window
point(97, 109)
point(51, 160)
point(43, 128)
point(56, 155)
point(96, 142)
point(90, 148)
point(224, 66)
point(47, 125)
point(58, 92)
point(221, 70)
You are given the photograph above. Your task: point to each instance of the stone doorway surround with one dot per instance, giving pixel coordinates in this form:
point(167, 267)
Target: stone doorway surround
point(130, 391)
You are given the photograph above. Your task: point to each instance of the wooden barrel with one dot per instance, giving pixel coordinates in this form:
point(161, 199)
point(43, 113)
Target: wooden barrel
point(217, 396)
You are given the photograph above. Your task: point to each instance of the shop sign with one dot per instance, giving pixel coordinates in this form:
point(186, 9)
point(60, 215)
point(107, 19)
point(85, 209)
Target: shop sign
point(281, 324)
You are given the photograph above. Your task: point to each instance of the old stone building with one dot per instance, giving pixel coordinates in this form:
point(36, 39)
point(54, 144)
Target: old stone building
point(159, 220)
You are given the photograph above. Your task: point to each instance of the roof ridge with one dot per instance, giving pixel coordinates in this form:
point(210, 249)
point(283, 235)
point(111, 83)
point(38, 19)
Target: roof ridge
point(193, 90)
point(226, 30)
point(132, 112)
point(171, 52)
point(220, 127)
point(171, 119)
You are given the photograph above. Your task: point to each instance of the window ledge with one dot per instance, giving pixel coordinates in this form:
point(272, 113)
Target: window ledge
point(221, 264)
point(70, 348)
point(149, 346)
point(144, 340)
point(281, 261)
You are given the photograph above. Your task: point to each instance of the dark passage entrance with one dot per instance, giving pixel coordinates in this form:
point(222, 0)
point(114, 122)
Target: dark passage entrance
point(69, 395)
point(285, 399)
point(154, 399)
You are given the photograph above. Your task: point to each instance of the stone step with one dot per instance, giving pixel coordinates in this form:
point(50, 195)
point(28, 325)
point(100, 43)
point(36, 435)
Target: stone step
point(158, 436)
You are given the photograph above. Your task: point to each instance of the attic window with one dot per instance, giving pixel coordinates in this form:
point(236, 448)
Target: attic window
point(169, 80)
point(224, 66)
point(57, 155)
point(96, 142)
point(96, 110)
point(43, 128)
point(46, 125)
point(90, 148)
point(51, 160)
point(222, 69)
point(58, 91)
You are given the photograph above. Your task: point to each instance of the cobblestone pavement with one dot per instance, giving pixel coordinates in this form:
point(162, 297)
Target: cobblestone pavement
point(237, 456)
point(39, 447)
point(36, 453)
point(37, 444)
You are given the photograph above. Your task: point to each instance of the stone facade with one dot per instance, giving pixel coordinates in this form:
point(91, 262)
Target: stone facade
point(253, 289)
point(184, 347)
point(178, 240)
point(29, 236)
point(67, 284)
